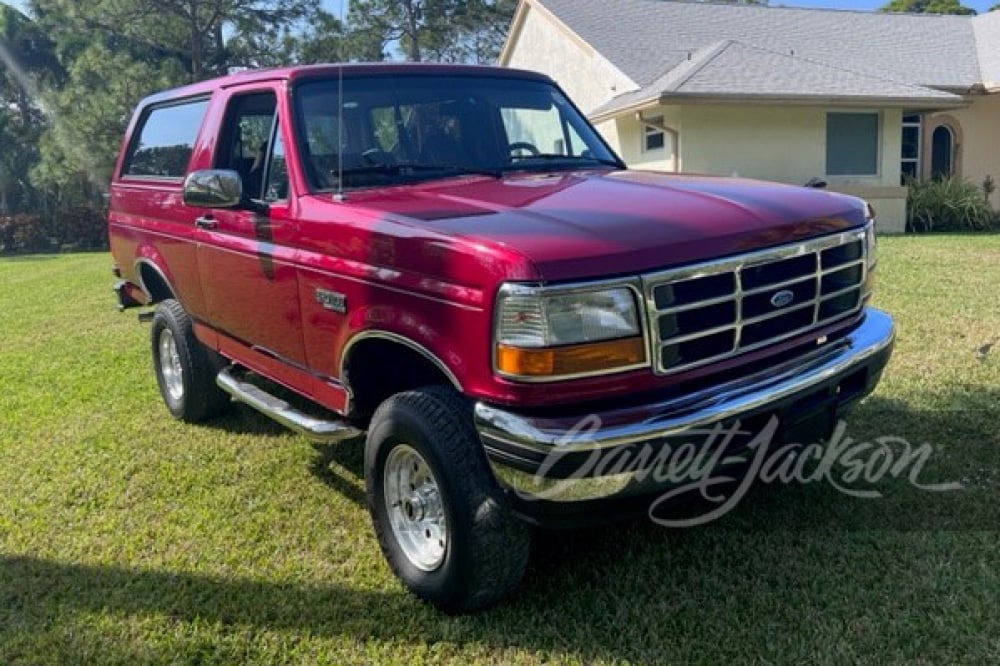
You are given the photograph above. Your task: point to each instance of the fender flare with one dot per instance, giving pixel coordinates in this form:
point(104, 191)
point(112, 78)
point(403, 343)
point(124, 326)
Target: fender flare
point(378, 334)
point(145, 261)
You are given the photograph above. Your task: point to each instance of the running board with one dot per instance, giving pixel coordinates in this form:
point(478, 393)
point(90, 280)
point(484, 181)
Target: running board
point(316, 429)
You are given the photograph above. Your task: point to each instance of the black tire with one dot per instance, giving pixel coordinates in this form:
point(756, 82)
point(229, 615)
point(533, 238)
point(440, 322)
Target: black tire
point(188, 384)
point(487, 547)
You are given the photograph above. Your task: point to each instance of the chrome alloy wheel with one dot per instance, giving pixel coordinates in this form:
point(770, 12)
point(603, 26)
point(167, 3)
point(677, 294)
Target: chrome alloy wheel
point(170, 365)
point(415, 508)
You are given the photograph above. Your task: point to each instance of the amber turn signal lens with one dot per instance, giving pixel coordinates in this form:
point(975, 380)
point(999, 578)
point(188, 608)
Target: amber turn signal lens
point(571, 359)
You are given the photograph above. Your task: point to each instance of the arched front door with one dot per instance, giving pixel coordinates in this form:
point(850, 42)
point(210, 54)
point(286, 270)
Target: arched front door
point(942, 151)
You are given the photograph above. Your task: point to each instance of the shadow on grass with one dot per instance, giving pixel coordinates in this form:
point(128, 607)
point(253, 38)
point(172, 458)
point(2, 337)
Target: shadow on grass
point(965, 449)
point(27, 258)
point(34, 592)
point(799, 563)
point(244, 420)
point(341, 466)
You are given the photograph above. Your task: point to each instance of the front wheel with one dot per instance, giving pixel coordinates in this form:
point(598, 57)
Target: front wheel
point(185, 369)
point(435, 505)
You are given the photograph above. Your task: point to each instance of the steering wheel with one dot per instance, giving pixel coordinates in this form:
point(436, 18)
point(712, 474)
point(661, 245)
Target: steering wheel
point(529, 148)
point(378, 157)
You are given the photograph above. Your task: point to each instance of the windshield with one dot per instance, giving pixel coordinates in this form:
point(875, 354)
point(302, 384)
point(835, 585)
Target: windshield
point(399, 129)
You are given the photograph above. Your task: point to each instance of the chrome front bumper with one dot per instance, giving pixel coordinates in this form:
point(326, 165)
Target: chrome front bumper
point(520, 448)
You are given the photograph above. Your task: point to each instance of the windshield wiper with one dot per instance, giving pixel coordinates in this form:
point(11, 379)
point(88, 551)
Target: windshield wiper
point(556, 157)
point(412, 169)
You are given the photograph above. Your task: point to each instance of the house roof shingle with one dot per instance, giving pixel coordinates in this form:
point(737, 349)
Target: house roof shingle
point(733, 69)
point(986, 29)
point(771, 51)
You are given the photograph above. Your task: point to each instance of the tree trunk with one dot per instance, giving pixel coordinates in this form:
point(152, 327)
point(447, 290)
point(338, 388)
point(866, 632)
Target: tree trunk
point(222, 58)
point(197, 55)
point(23, 105)
point(412, 29)
point(4, 211)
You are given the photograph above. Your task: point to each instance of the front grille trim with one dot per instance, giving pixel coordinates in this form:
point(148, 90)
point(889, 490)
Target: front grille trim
point(735, 265)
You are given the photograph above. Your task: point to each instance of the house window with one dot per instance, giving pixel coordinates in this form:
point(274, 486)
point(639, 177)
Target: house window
point(942, 150)
point(653, 137)
point(852, 141)
point(909, 167)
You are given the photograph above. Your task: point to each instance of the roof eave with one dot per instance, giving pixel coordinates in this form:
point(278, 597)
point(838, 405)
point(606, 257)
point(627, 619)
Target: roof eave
point(915, 103)
point(632, 107)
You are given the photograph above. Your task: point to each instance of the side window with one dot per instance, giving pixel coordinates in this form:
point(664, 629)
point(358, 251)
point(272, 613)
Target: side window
point(163, 144)
point(276, 185)
point(541, 129)
point(246, 141)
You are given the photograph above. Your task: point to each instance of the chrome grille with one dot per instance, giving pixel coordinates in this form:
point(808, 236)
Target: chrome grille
point(707, 312)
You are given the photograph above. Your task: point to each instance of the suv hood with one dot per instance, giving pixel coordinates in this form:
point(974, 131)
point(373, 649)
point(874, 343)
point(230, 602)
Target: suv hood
point(592, 224)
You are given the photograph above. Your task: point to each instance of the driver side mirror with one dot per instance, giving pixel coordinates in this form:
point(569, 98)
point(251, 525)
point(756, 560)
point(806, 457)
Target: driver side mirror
point(218, 188)
point(213, 188)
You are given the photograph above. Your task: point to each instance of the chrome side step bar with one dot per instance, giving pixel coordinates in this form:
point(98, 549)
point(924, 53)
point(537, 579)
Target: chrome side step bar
point(316, 429)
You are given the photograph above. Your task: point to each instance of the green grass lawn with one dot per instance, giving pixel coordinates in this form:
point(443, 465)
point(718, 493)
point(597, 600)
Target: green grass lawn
point(127, 537)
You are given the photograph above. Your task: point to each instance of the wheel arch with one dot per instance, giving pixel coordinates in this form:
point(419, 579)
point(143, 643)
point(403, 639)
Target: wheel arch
point(400, 364)
point(153, 280)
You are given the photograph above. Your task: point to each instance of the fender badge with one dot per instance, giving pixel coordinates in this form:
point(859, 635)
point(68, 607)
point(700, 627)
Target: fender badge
point(332, 300)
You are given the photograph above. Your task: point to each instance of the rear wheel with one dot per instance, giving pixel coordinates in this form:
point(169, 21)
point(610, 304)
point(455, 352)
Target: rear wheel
point(437, 511)
point(185, 369)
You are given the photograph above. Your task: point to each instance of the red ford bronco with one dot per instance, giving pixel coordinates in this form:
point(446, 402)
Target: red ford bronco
point(452, 260)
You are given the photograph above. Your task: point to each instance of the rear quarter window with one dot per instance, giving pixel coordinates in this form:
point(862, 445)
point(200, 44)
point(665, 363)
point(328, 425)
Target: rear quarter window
point(164, 140)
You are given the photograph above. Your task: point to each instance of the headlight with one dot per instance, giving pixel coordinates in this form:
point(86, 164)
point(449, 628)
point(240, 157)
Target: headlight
point(553, 334)
point(530, 318)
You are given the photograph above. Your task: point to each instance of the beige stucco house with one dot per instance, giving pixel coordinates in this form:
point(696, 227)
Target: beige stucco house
point(857, 99)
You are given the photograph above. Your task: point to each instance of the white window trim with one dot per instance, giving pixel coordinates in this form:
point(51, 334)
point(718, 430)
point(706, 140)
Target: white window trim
point(919, 125)
point(649, 128)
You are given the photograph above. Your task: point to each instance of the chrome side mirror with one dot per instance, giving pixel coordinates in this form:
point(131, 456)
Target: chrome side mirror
point(213, 188)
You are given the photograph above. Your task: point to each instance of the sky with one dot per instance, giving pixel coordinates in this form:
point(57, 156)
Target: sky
point(979, 5)
point(329, 5)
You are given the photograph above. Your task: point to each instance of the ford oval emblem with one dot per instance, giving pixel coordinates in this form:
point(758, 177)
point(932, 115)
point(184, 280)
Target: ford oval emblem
point(782, 298)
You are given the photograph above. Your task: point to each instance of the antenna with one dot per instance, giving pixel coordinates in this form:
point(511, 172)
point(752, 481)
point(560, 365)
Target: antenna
point(339, 196)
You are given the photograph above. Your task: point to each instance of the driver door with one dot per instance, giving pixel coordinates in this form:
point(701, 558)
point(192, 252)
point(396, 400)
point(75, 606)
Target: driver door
point(244, 257)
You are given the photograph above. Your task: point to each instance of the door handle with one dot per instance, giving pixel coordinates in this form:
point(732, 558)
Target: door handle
point(206, 222)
